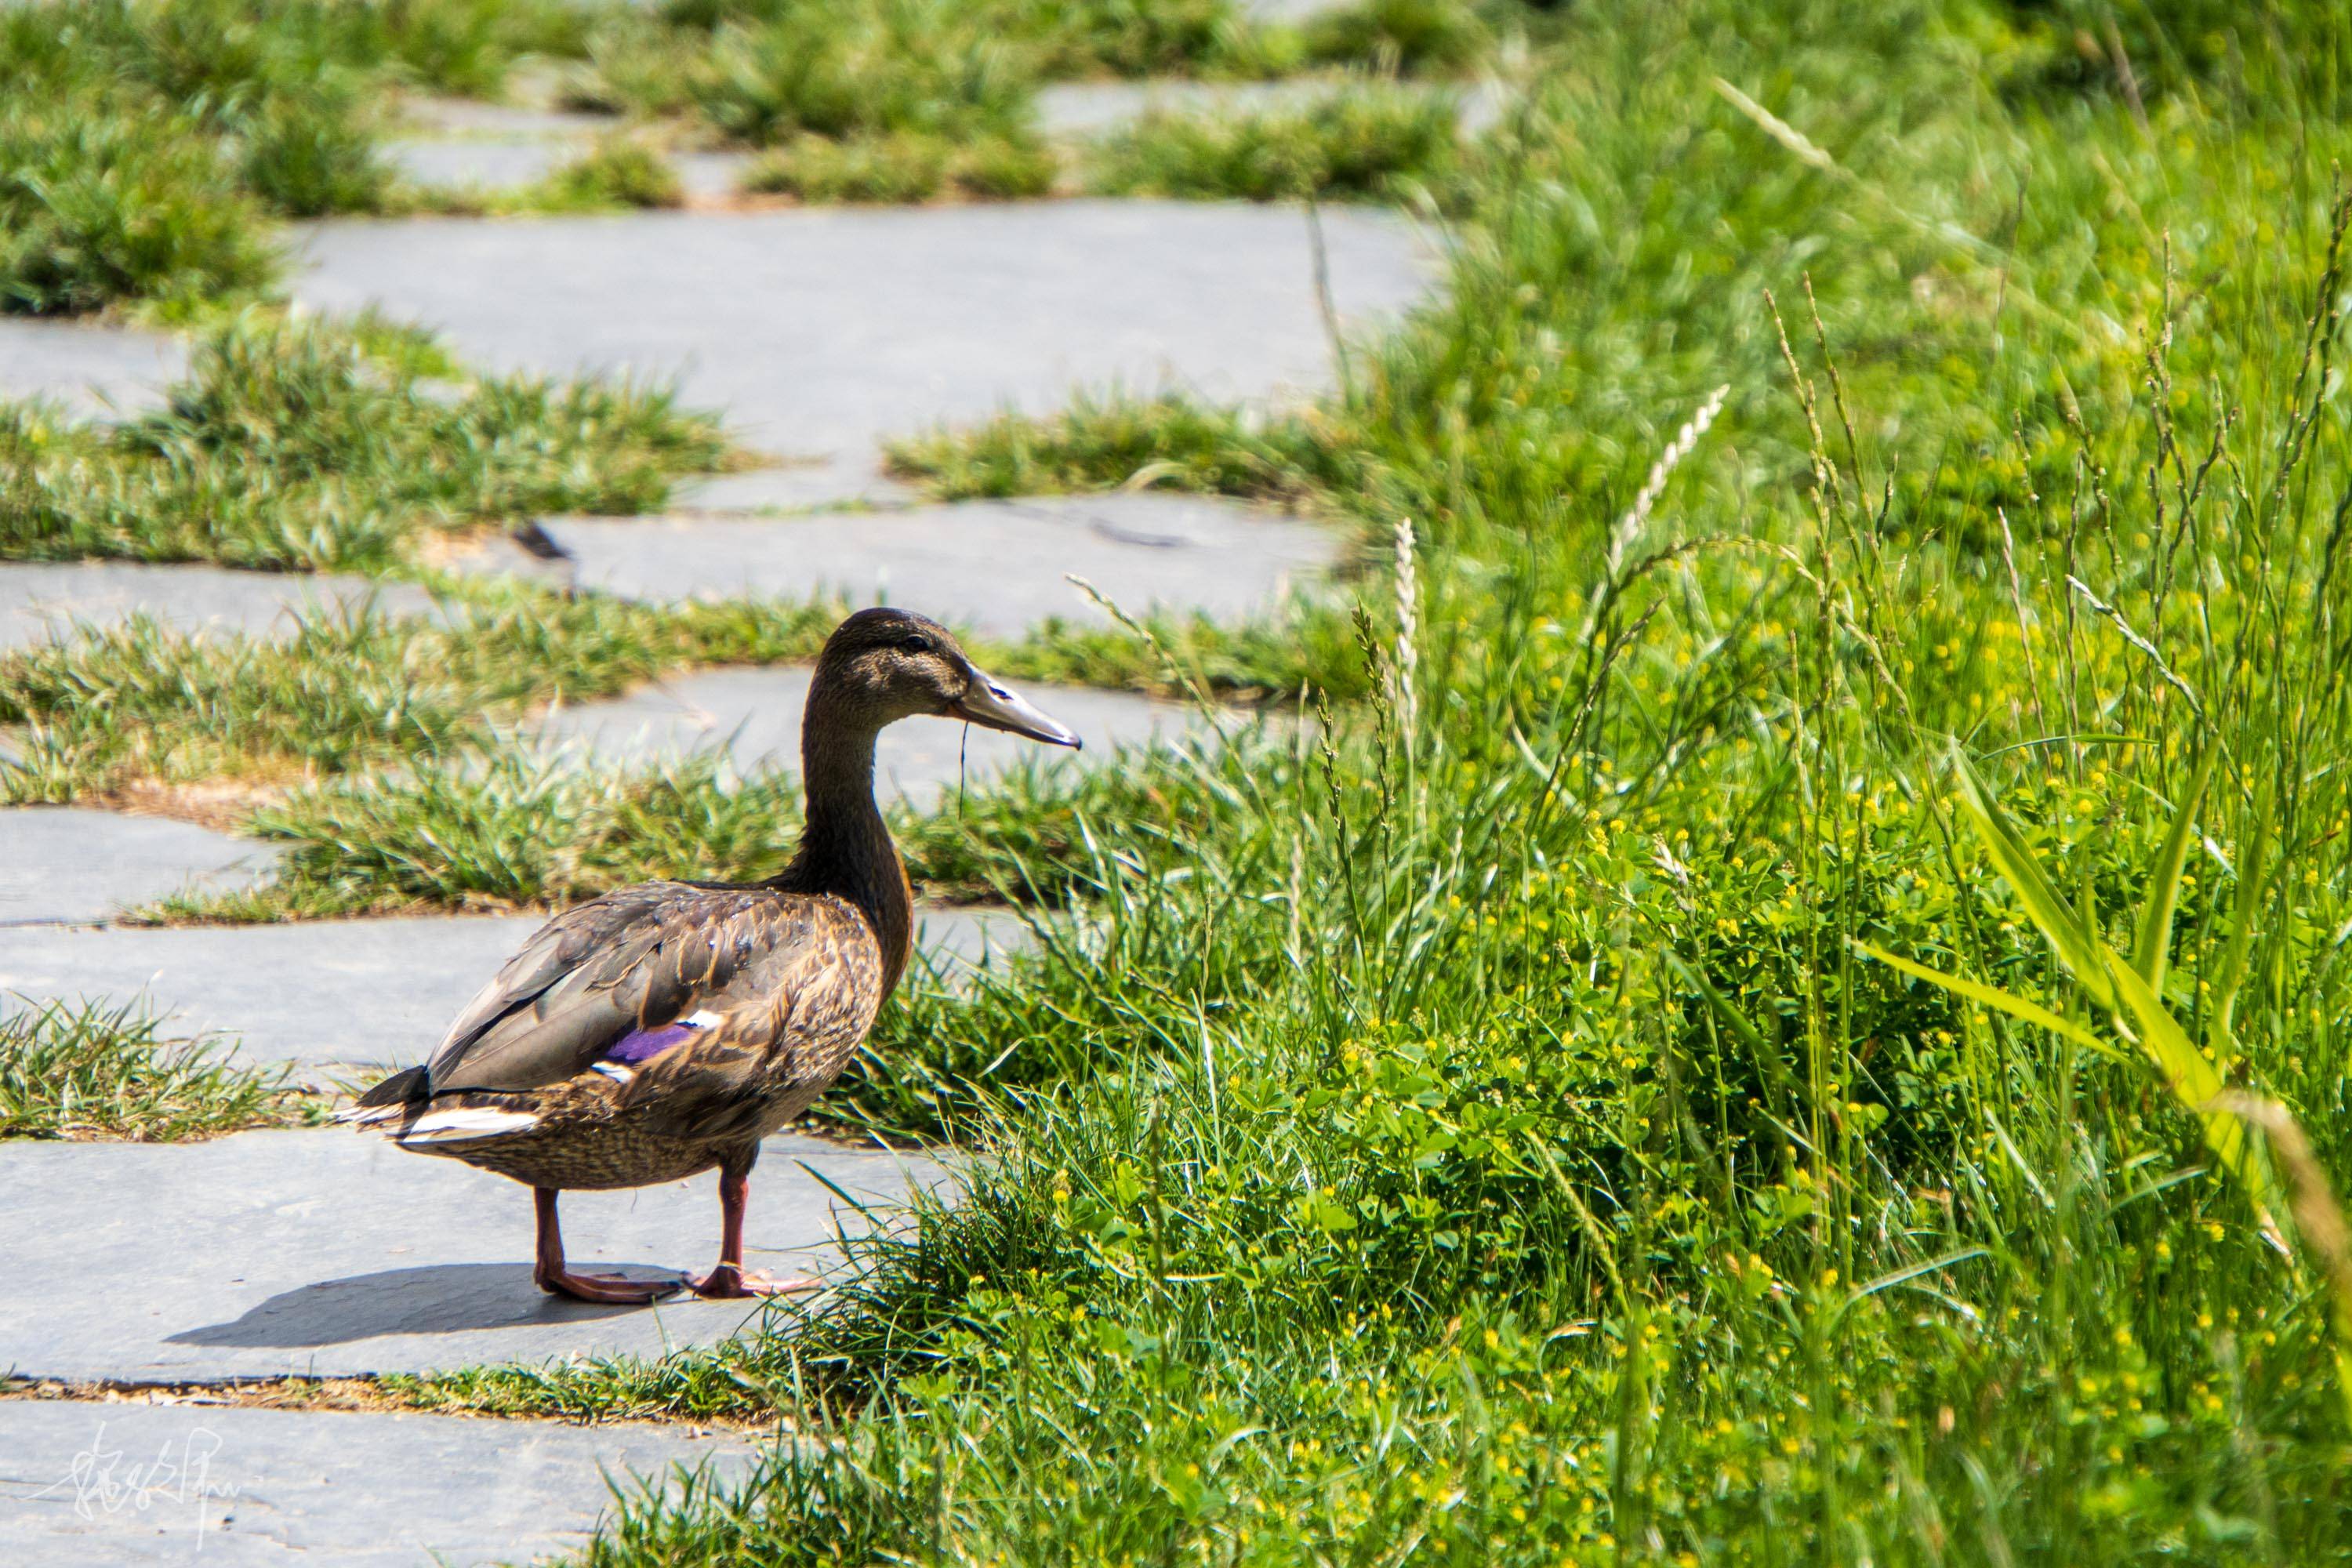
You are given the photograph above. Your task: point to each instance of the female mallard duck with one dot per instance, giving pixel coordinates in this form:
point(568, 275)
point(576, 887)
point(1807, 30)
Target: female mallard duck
point(660, 1030)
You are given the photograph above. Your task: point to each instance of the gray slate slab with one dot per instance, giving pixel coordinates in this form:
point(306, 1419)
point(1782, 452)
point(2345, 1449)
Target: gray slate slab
point(471, 120)
point(755, 716)
point(997, 567)
point(708, 176)
point(41, 600)
point(349, 994)
point(1082, 108)
point(330, 1252)
point(90, 370)
point(441, 164)
point(795, 487)
point(1090, 108)
point(338, 998)
point(64, 864)
point(1287, 10)
point(218, 1487)
point(821, 330)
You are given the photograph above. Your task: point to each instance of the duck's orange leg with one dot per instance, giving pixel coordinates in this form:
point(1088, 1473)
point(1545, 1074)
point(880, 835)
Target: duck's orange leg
point(729, 1279)
point(551, 1277)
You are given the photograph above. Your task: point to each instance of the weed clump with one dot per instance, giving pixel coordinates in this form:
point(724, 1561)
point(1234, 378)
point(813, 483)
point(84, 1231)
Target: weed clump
point(1393, 35)
point(99, 1071)
point(1364, 145)
point(296, 444)
point(905, 167)
point(618, 173)
point(144, 146)
point(99, 204)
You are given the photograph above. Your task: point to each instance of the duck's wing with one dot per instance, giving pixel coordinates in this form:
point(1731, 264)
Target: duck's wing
point(620, 972)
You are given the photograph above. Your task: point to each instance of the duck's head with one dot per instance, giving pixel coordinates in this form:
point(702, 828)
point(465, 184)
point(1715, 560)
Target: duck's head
point(882, 665)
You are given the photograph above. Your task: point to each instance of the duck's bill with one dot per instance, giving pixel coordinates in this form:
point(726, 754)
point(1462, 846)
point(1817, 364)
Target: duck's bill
point(1000, 707)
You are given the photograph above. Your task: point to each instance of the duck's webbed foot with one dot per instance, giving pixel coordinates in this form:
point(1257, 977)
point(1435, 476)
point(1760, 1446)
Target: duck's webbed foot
point(610, 1290)
point(731, 1281)
point(613, 1288)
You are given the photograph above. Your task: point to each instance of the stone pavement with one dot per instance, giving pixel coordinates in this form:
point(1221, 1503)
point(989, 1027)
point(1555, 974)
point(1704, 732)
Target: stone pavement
point(119, 1483)
point(67, 865)
point(997, 567)
point(819, 334)
point(88, 371)
point(332, 1252)
point(453, 146)
point(484, 149)
point(1086, 109)
point(41, 601)
point(755, 716)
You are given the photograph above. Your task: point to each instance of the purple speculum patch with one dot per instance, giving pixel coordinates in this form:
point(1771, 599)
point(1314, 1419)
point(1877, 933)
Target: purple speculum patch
point(641, 1046)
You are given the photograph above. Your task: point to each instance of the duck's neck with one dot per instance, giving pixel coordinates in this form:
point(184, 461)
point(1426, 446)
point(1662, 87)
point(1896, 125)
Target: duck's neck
point(846, 848)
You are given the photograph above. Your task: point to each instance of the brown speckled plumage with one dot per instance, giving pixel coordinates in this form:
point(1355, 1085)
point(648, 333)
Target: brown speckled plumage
point(664, 1029)
point(794, 980)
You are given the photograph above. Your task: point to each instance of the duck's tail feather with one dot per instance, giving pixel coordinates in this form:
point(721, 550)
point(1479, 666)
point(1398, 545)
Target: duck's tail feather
point(465, 1124)
point(397, 1096)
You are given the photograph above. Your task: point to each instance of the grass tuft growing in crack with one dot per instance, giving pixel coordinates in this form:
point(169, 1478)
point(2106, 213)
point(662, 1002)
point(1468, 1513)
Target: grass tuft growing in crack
point(93, 1071)
point(618, 173)
point(516, 829)
point(1367, 143)
point(905, 166)
point(1172, 440)
point(891, 76)
point(1426, 37)
point(141, 707)
point(291, 445)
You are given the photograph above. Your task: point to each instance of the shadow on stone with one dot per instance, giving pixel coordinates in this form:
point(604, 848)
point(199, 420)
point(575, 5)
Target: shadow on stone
point(449, 1298)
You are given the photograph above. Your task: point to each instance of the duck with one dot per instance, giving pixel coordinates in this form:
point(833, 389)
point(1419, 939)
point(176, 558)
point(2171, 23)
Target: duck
point(664, 1029)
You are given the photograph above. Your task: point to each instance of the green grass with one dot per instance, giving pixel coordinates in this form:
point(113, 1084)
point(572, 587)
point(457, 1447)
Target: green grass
point(512, 830)
point(1363, 144)
point(97, 205)
point(616, 174)
point(905, 167)
point(294, 444)
point(1487, 1132)
point(1174, 441)
point(1431, 37)
point(141, 710)
point(774, 72)
point(146, 144)
point(94, 1071)
point(766, 71)
point(347, 693)
point(1368, 142)
point(1490, 1141)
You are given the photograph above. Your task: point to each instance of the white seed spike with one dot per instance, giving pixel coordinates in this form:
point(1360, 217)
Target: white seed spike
point(1629, 528)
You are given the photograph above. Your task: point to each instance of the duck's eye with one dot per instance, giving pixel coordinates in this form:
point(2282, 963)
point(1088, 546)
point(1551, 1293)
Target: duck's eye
point(916, 642)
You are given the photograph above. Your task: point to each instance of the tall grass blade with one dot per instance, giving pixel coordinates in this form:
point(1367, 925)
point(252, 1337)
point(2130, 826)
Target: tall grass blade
point(2164, 888)
point(2048, 908)
point(2121, 990)
point(2002, 1001)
